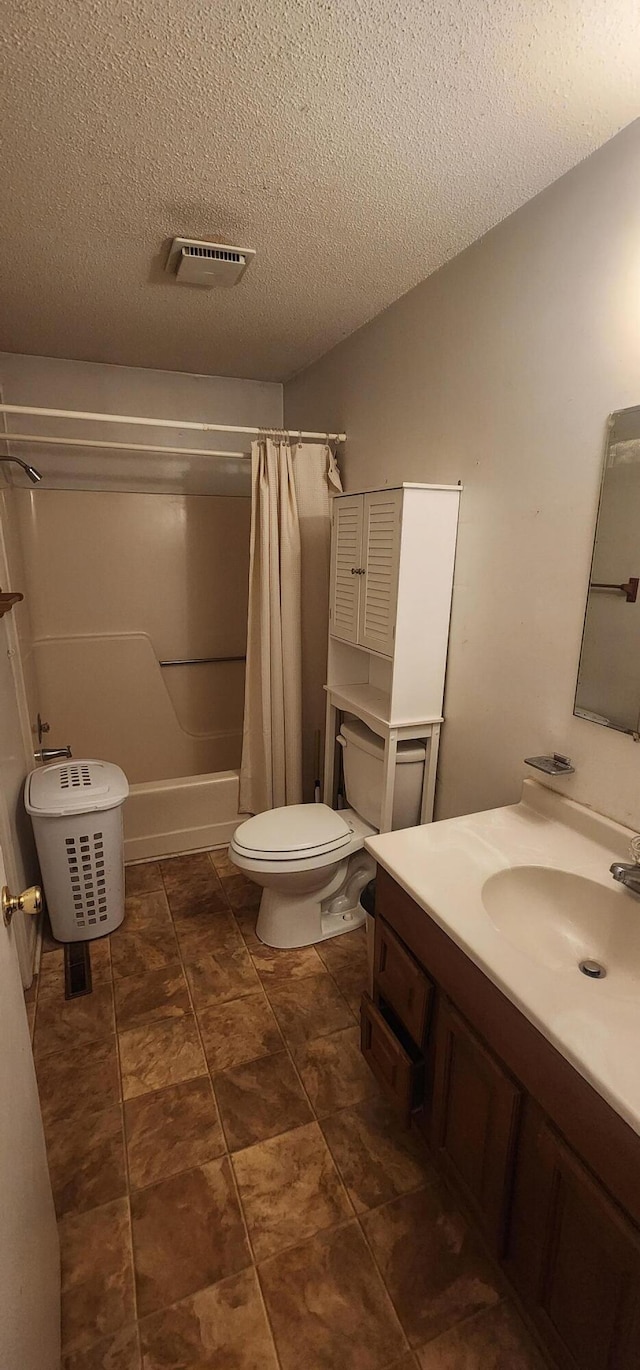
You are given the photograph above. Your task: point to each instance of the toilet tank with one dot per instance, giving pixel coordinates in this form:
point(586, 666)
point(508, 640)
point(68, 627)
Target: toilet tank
point(363, 764)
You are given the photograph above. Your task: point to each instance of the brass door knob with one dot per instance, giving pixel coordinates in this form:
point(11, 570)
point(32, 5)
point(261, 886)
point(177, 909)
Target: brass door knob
point(30, 901)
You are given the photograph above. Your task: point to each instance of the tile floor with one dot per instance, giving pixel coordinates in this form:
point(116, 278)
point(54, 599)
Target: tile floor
point(233, 1192)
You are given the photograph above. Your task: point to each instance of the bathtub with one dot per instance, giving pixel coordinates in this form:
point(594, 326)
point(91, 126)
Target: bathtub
point(167, 817)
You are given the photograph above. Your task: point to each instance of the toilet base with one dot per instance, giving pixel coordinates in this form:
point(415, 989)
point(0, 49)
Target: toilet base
point(302, 920)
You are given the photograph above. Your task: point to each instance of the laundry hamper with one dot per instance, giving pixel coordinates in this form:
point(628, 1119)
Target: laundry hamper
point(76, 812)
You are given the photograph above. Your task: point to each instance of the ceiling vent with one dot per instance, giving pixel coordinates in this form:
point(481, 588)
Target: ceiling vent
point(196, 263)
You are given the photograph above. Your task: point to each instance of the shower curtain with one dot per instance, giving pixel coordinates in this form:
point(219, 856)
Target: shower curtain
point(288, 597)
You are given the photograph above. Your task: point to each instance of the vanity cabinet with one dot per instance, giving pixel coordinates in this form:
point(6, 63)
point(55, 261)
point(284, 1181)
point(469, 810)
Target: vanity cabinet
point(547, 1171)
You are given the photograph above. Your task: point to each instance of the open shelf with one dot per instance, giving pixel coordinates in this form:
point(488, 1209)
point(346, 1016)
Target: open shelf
point(373, 706)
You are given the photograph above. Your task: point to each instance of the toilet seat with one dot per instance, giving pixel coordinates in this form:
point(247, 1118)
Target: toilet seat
point(297, 832)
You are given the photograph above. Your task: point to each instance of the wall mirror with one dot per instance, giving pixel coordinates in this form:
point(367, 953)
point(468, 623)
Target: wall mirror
point(608, 689)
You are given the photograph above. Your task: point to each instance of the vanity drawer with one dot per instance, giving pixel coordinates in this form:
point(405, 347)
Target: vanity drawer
point(400, 1072)
point(401, 982)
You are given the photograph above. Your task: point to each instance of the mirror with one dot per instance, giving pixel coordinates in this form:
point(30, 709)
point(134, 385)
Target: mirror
point(608, 689)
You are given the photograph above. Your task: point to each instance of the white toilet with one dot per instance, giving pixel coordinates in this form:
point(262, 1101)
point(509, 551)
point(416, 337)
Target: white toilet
point(310, 859)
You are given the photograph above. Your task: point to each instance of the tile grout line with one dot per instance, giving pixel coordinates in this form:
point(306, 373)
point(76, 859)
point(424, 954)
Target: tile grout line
point(464, 1321)
point(126, 1168)
point(315, 1119)
point(228, 1155)
point(381, 1276)
point(188, 1169)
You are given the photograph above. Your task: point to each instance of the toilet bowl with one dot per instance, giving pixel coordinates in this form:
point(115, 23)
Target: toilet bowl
point(310, 859)
point(311, 863)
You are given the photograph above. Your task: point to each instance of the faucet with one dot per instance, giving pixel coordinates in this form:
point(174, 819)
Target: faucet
point(628, 872)
point(52, 754)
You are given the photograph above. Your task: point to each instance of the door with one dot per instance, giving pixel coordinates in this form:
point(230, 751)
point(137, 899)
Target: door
point(16, 757)
point(476, 1107)
point(382, 517)
point(29, 1258)
point(346, 567)
point(574, 1256)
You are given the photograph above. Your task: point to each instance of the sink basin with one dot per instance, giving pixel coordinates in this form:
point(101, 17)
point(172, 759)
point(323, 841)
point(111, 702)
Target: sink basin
point(560, 919)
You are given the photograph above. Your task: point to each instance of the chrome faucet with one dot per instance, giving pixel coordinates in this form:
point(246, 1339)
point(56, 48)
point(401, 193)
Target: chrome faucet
point(52, 754)
point(628, 872)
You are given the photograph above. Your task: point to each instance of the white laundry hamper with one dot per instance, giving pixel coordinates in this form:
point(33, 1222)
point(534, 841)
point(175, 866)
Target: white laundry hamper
point(76, 812)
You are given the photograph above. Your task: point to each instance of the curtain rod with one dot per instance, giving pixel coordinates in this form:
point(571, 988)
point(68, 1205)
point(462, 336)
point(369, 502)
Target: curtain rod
point(163, 423)
point(121, 446)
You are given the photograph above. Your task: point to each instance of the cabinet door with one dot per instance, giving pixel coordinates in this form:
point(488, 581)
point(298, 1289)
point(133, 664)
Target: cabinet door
point(475, 1114)
point(381, 560)
point(574, 1256)
point(401, 1074)
point(346, 567)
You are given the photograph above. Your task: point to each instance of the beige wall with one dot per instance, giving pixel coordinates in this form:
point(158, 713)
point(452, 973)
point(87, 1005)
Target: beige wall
point(500, 371)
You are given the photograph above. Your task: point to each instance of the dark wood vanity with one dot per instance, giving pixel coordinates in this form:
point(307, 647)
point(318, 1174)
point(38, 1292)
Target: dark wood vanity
point(548, 1171)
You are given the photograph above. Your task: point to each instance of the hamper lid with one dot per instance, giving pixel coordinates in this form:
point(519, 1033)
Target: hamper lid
point(75, 787)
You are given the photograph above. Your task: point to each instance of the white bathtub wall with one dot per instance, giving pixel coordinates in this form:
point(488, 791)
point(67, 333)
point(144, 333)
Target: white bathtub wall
point(500, 370)
point(118, 582)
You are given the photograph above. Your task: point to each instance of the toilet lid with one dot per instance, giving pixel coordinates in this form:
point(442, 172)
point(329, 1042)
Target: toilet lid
point(293, 832)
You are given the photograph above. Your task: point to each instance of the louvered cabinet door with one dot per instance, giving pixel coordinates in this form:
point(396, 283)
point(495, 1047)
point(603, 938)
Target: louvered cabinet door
point(346, 567)
point(381, 547)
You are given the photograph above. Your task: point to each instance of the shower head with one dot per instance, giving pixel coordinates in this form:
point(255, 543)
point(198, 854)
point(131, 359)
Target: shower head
point(30, 471)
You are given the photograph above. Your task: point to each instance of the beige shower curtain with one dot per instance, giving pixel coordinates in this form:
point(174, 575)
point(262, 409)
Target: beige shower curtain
point(288, 596)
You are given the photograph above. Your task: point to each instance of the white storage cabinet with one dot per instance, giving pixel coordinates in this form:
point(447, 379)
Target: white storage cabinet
point(76, 812)
point(392, 563)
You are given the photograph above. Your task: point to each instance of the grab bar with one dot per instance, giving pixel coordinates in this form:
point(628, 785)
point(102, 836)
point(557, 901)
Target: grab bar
point(199, 660)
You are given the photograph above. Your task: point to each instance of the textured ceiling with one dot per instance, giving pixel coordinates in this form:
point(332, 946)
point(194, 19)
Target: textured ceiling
point(357, 144)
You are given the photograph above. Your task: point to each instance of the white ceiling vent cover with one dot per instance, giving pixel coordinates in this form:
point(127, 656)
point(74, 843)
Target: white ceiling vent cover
point(196, 263)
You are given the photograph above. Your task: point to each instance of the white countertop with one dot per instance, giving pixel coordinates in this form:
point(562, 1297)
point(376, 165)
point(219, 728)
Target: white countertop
point(595, 1024)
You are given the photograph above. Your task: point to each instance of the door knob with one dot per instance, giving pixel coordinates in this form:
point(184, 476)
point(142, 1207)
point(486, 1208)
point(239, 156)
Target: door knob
point(30, 901)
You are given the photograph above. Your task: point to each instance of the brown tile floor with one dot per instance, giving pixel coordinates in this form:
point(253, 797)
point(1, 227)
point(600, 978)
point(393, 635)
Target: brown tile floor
point(232, 1190)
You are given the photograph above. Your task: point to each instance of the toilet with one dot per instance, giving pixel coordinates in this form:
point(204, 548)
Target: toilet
point(310, 859)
